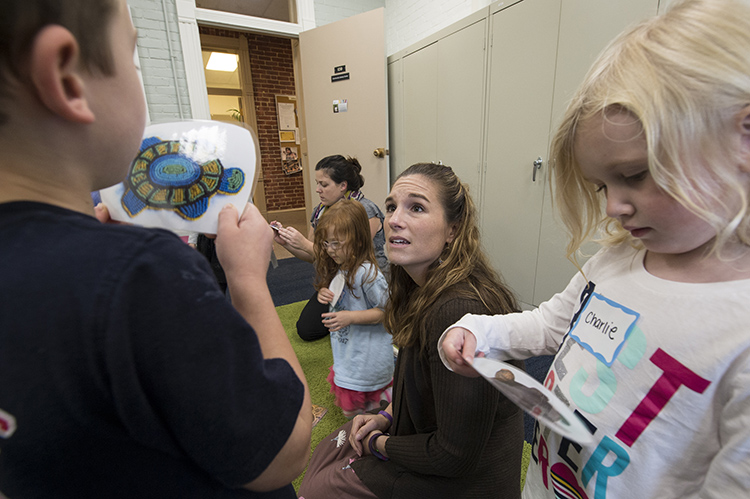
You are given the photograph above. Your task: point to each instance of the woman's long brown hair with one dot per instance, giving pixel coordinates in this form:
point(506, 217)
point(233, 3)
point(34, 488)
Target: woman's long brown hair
point(462, 261)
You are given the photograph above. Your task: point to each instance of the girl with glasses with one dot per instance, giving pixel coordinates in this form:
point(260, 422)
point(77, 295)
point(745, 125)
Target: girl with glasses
point(362, 369)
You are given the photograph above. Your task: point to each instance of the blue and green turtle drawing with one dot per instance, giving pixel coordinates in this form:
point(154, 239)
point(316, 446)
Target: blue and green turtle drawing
point(161, 178)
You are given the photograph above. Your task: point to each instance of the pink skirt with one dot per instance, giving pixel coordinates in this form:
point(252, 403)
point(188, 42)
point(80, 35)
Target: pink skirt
point(351, 400)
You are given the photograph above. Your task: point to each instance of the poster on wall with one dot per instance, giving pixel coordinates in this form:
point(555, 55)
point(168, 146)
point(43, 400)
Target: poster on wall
point(288, 136)
point(286, 116)
point(290, 160)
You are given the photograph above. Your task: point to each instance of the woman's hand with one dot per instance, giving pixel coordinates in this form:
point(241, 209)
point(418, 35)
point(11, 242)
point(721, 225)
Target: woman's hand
point(362, 427)
point(337, 320)
point(459, 346)
point(290, 238)
point(325, 296)
point(382, 437)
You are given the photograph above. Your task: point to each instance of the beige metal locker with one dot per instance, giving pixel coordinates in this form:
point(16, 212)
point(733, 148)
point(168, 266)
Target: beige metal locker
point(586, 27)
point(498, 105)
point(442, 101)
point(522, 74)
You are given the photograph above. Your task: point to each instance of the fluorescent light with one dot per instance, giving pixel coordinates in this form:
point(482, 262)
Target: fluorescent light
point(220, 61)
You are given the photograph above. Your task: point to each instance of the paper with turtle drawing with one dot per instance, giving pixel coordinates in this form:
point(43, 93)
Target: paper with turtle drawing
point(534, 398)
point(184, 174)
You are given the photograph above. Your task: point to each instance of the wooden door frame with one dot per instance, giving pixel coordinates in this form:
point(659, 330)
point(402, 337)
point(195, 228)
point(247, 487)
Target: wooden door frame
point(239, 46)
point(189, 17)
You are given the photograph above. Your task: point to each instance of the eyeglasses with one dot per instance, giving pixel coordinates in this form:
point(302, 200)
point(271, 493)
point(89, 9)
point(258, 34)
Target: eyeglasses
point(334, 245)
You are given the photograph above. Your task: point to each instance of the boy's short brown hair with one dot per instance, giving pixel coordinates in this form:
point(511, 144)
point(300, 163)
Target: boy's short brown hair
point(21, 20)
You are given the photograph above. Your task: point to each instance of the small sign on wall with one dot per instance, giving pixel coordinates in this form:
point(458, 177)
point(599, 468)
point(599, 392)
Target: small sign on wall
point(339, 74)
point(340, 106)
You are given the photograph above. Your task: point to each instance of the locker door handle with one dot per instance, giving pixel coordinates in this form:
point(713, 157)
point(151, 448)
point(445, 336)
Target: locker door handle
point(537, 165)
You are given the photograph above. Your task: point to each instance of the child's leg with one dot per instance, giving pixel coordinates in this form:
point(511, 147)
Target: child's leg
point(351, 414)
point(351, 402)
point(375, 399)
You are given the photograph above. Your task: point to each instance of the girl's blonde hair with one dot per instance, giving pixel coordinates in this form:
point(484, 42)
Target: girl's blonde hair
point(462, 261)
point(346, 219)
point(685, 76)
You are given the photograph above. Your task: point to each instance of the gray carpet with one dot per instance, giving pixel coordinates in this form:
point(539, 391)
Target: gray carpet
point(291, 281)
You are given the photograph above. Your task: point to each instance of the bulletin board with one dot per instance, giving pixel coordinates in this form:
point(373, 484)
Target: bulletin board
point(286, 115)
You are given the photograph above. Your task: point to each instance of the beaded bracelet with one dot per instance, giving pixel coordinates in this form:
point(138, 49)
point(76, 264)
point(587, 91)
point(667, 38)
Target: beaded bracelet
point(373, 450)
point(387, 416)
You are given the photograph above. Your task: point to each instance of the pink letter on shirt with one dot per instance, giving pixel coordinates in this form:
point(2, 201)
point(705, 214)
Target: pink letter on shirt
point(675, 375)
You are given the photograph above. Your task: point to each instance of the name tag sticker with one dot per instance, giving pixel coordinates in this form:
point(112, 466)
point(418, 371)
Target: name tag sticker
point(603, 326)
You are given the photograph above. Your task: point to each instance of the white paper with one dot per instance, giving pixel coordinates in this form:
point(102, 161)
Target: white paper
point(531, 396)
point(286, 116)
point(336, 286)
point(201, 143)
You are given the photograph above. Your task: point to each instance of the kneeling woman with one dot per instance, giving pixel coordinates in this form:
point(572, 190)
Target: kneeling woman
point(444, 435)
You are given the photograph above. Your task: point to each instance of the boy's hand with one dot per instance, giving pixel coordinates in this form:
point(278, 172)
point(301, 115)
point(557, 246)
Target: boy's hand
point(325, 296)
point(101, 212)
point(244, 246)
point(459, 346)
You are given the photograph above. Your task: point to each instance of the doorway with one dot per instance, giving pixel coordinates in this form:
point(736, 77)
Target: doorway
point(248, 93)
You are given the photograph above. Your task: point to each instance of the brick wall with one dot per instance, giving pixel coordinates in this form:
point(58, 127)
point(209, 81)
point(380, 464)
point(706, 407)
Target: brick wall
point(273, 74)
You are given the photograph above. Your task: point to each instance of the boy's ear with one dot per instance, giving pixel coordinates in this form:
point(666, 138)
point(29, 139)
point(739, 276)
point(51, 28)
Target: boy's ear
point(743, 125)
point(56, 74)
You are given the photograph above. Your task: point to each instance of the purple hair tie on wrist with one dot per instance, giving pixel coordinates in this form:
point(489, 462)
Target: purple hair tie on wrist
point(387, 416)
point(373, 450)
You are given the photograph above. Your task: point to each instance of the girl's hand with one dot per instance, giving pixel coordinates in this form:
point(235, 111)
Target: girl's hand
point(336, 320)
point(459, 346)
point(362, 427)
point(325, 296)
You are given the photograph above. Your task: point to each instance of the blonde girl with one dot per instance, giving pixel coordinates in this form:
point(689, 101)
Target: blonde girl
point(651, 339)
point(362, 352)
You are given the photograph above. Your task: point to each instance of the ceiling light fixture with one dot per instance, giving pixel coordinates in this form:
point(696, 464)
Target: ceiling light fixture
point(220, 61)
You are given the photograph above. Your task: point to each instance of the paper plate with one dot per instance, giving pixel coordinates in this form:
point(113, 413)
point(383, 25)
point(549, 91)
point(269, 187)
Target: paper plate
point(534, 398)
point(337, 286)
point(184, 174)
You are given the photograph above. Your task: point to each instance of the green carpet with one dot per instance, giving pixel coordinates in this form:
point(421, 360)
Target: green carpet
point(315, 358)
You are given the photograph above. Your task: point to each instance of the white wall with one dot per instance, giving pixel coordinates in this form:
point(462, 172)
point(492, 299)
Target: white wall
point(328, 11)
point(409, 21)
point(406, 21)
point(162, 66)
